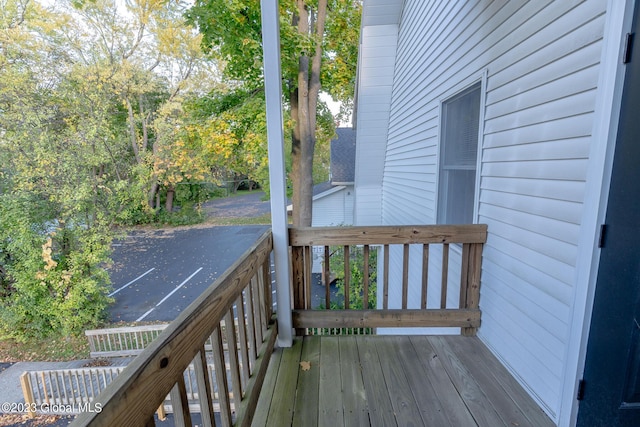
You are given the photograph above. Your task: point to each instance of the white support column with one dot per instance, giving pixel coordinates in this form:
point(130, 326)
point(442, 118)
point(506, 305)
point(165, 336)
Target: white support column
point(277, 176)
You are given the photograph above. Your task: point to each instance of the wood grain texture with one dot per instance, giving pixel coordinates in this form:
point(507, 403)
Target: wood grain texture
point(377, 235)
point(135, 395)
point(305, 413)
point(378, 400)
point(396, 381)
point(472, 393)
point(286, 382)
point(353, 391)
point(249, 405)
point(386, 318)
point(330, 400)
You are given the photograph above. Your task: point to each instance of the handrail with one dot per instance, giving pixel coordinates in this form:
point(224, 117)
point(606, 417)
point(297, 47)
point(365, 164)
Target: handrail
point(466, 315)
point(244, 292)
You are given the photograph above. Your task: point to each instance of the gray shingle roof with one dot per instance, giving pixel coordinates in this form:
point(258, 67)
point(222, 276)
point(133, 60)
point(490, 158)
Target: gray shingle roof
point(343, 156)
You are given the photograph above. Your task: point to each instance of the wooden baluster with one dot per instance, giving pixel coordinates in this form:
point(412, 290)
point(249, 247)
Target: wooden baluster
point(257, 308)
point(244, 347)
point(347, 277)
point(308, 260)
point(385, 278)
point(365, 279)
point(180, 404)
point(232, 348)
point(425, 276)
point(405, 276)
point(327, 278)
point(464, 275)
point(221, 378)
point(268, 289)
point(204, 388)
point(253, 344)
point(445, 275)
point(297, 270)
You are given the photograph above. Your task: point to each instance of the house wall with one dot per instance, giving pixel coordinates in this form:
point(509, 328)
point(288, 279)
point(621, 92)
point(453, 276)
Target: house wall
point(539, 63)
point(335, 208)
point(375, 77)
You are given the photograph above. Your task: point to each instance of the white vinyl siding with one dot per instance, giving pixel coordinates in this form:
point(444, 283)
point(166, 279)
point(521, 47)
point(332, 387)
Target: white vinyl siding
point(375, 76)
point(334, 207)
point(541, 62)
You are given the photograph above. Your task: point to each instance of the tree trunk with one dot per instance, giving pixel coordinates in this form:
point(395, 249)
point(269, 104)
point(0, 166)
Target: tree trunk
point(168, 205)
point(132, 132)
point(295, 157)
point(304, 105)
point(153, 204)
point(305, 186)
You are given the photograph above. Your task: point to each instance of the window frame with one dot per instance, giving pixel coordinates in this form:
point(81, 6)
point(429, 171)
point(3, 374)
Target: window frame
point(457, 92)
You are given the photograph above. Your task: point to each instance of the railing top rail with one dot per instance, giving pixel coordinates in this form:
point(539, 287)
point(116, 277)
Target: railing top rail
point(138, 391)
point(126, 329)
point(383, 235)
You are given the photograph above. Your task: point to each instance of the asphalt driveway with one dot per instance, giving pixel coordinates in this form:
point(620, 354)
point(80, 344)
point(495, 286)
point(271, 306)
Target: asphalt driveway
point(247, 205)
point(157, 273)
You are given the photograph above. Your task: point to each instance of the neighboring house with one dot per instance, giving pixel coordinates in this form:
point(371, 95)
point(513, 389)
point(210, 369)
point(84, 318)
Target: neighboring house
point(333, 200)
point(507, 113)
point(334, 204)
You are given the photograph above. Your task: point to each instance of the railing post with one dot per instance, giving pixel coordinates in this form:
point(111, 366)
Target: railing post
point(27, 392)
point(298, 280)
point(472, 287)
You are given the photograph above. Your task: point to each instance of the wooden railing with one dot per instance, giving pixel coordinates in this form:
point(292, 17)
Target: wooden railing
point(242, 297)
point(122, 342)
point(468, 239)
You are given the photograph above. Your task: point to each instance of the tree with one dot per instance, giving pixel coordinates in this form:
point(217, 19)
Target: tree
point(151, 61)
point(91, 127)
point(310, 34)
point(54, 235)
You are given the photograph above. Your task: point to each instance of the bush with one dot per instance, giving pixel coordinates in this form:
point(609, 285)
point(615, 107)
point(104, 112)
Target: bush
point(56, 270)
point(356, 282)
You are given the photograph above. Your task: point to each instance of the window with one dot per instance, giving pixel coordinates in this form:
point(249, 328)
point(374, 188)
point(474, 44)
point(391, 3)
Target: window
point(458, 157)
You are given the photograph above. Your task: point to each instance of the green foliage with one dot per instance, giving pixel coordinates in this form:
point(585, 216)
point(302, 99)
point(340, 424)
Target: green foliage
point(341, 43)
point(107, 109)
point(231, 31)
point(356, 280)
point(55, 268)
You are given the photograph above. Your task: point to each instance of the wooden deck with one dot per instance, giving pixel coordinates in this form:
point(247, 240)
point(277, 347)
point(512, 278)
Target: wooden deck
point(392, 380)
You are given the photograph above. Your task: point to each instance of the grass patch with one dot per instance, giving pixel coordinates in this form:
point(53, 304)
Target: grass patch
point(258, 220)
point(53, 349)
point(224, 195)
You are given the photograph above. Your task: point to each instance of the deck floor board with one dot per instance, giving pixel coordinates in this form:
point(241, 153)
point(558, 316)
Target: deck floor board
point(354, 395)
point(392, 381)
point(308, 385)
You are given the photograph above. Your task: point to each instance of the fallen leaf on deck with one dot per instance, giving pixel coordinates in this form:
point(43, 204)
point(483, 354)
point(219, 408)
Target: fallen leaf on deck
point(305, 365)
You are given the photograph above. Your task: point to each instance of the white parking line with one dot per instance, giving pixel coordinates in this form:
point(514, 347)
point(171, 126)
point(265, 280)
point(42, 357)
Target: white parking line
point(134, 280)
point(145, 315)
point(168, 295)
